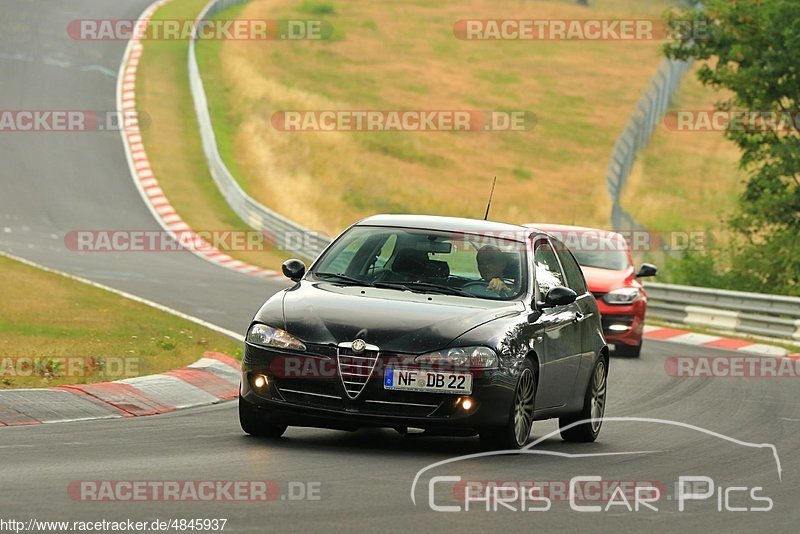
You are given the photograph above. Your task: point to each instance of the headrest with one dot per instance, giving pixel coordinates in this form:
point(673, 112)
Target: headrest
point(437, 269)
point(411, 261)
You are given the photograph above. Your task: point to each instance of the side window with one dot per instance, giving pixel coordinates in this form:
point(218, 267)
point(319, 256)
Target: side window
point(548, 272)
point(575, 279)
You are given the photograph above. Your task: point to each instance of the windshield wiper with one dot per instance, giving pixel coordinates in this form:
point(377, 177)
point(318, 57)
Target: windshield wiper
point(345, 278)
point(435, 288)
point(402, 286)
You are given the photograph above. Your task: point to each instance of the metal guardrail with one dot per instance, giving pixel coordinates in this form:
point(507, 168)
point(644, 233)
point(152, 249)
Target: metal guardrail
point(286, 234)
point(735, 311)
point(637, 133)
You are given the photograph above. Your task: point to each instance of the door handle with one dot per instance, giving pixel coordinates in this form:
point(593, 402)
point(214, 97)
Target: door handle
point(579, 317)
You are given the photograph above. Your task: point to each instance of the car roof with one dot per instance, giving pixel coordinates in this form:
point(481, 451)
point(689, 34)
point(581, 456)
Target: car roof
point(445, 224)
point(548, 228)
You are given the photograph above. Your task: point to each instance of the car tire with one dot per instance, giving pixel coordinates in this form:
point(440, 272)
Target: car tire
point(516, 433)
point(628, 351)
point(594, 405)
point(255, 424)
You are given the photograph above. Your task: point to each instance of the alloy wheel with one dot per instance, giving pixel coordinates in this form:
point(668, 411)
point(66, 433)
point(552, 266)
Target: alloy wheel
point(598, 399)
point(523, 407)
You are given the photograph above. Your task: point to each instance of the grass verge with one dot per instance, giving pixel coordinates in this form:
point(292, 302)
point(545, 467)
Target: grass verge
point(56, 331)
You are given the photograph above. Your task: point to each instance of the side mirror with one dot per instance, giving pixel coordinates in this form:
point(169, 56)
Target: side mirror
point(647, 269)
point(559, 296)
point(293, 269)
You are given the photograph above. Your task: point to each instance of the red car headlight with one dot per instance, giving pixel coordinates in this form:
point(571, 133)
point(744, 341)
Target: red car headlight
point(622, 296)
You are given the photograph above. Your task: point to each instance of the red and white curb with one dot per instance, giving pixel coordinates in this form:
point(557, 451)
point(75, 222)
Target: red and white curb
point(686, 337)
point(212, 379)
point(142, 172)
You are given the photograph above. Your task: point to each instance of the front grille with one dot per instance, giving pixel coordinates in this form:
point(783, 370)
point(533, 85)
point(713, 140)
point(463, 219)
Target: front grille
point(355, 369)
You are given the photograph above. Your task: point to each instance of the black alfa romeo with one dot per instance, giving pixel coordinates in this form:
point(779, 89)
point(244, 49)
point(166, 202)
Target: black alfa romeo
point(454, 326)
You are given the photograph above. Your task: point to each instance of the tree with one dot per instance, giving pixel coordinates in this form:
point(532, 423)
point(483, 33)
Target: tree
point(752, 48)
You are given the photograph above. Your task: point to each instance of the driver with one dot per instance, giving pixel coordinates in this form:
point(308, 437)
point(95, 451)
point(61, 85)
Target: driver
point(492, 264)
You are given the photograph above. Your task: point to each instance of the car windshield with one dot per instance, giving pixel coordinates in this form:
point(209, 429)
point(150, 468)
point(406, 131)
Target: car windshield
point(615, 260)
point(595, 248)
point(426, 261)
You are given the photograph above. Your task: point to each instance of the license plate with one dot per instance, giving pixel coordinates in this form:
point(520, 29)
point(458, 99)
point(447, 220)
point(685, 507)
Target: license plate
point(427, 381)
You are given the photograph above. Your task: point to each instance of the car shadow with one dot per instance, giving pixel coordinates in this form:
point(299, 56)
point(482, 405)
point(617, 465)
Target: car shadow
point(387, 442)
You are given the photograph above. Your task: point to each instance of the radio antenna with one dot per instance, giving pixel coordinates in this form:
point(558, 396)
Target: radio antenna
point(489, 205)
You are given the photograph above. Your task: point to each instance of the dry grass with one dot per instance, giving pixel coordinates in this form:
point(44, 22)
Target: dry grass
point(45, 315)
point(388, 55)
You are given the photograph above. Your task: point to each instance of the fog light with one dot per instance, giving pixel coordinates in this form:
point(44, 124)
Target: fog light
point(466, 404)
point(260, 381)
point(618, 327)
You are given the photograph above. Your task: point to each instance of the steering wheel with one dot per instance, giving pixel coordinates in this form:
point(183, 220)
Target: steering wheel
point(483, 289)
point(477, 283)
point(479, 288)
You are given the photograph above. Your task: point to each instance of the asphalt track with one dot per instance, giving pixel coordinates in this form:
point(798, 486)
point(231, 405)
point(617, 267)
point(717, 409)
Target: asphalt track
point(55, 182)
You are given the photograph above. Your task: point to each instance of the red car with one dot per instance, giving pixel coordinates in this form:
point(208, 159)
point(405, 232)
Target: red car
point(606, 262)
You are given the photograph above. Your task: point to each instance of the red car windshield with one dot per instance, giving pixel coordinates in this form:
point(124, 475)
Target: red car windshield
point(615, 260)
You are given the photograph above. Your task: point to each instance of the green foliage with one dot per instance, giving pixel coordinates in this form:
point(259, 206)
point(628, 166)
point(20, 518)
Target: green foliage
point(522, 174)
point(751, 48)
point(317, 8)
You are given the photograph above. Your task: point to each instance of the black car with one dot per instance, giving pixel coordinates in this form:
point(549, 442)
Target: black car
point(454, 326)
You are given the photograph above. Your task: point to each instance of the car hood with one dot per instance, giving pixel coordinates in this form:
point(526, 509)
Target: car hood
point(395, 321)
point(605, 280)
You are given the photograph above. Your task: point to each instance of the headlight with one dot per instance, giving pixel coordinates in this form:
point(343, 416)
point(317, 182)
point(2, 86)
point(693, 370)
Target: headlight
point(266, 336)
point(625, 295)
point(480, 357)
